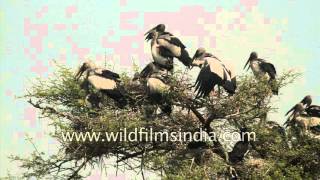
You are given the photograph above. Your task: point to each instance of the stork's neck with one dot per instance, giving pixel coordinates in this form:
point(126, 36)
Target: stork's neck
point(154, 38)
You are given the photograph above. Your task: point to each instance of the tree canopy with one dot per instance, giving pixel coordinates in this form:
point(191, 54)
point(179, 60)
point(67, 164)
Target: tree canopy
point(276, 152)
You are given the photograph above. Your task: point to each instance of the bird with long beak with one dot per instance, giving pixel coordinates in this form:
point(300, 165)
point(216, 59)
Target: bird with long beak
point(304, 120)
point(213, 72)
point(107, 82)
point(165, 47)
point(311, 110)
point(154, 79)
point(261, 68)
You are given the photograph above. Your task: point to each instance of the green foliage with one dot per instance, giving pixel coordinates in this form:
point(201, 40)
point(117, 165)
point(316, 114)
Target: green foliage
point(61, 100)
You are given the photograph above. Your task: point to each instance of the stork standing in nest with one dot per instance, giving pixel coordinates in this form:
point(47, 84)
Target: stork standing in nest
point(107, 82)
point(154, 79)
point(301, 118)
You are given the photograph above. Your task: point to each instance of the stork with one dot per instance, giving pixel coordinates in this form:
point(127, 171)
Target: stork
point(302, 119)
point(107, 82)
point(261, 68)
point(165, 47)
point(154, 78)
point(213, 72)
point(311, 110)
point(240, 148)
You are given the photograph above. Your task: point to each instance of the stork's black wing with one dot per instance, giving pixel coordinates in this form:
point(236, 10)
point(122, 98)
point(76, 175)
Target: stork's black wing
point(206, 81)
point(313, 111)
point(148, 70)
point(290, 110)
point(240, 148)
point(268, 68)
point(238, 151)
point(110, 75)
point(165, 52)
point(173, 40)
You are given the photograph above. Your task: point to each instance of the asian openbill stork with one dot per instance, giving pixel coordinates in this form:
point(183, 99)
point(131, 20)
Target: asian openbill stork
point(213, 72)
point(300, 117)
point(165, 47)
point(240, 148)
point(107, 82)
point(154, 78)
point(311, 110)
point(261, 68)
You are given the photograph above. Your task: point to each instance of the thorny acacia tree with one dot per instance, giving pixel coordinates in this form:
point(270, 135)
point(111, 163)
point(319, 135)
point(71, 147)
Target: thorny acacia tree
point(274, 154)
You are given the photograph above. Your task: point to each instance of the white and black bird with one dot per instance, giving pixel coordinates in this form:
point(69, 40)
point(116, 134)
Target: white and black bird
point(301, 118)
point(261, 68)
point(213, 72)
point(107, 82)
point(154, 79)
point(311, 110)
point(165, 47)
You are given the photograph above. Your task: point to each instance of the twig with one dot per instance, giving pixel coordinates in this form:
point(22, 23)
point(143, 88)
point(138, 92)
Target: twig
point(53, 111)
point(141, 165)
point(75, 173)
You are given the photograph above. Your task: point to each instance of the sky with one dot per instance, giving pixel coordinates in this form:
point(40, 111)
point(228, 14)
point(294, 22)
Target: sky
point(33, 34)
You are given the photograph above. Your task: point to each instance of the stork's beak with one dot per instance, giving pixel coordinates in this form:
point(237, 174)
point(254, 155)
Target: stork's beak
point(80, 72)
point(151, 30)
point(290, 110)
point(195, 56)
point(247, 64)
point(148, 34)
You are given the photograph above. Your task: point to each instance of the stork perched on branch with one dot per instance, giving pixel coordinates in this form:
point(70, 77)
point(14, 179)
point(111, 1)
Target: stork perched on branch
point(311, 110)
point(155, 81)
point(165, 47)
point(304, 120)
point(213, 72)
point(107, 82)
point(261, 68)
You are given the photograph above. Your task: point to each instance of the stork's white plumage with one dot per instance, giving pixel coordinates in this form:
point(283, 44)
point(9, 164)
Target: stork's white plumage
point(156, 86)
point(99, 82)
